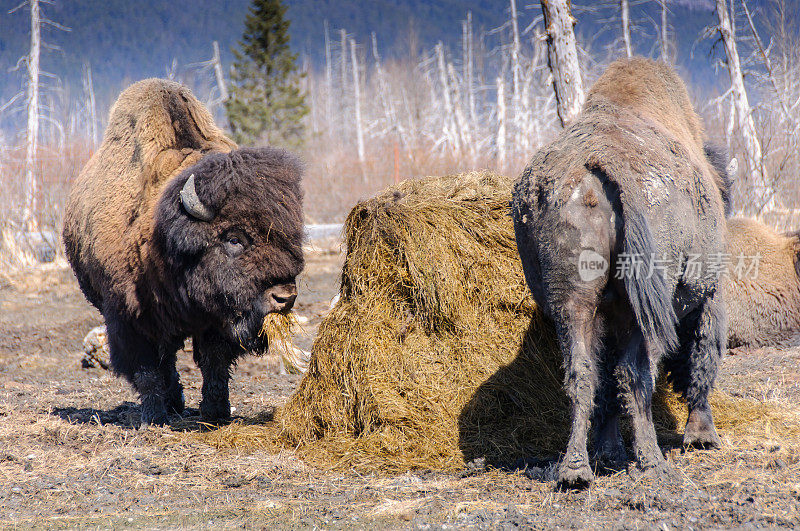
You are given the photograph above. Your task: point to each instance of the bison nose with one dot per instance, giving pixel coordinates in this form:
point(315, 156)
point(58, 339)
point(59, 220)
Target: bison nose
point(281, 298)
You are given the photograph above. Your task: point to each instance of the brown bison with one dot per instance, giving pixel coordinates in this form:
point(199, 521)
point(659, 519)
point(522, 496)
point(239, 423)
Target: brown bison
point(762, 287)
point(173, 233)
point(611, 221)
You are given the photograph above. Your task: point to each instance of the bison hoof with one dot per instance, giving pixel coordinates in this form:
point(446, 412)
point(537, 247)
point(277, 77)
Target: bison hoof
point(216, 412)
point(611, 453)
point(574, 473)
point(703, 439)
point(700, 431)
point(176, 404)
point(154, 418)
point(656, 470)
point(613, 457)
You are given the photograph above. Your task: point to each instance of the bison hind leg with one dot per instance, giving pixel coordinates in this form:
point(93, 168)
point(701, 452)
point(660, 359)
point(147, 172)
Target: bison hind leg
point(579, 337)
point(636, 379)
point(693, 369)
point(608, 446)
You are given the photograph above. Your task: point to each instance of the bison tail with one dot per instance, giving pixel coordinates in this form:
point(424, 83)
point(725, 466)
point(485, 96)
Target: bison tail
point(647, 289)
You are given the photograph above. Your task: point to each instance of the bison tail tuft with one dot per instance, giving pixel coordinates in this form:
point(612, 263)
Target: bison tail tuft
point(649, 295)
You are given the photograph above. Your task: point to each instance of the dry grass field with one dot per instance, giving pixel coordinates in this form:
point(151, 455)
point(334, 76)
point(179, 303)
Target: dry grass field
point(71, 457)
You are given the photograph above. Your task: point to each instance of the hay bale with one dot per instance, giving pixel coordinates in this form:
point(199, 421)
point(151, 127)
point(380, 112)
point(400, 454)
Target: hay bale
point(435, 354)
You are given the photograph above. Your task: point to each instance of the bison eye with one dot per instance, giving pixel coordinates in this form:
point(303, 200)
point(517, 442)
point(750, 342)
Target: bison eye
point(234, 244)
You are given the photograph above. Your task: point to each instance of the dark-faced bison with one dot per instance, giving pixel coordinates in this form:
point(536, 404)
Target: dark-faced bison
point(172, 233)
point(618, 222)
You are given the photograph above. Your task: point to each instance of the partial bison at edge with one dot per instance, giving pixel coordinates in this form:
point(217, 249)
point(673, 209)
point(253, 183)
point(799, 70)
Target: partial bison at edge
point(611, 219)
point(172, 233)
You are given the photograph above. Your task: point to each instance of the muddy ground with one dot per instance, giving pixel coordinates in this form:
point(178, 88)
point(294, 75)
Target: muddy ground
point(70, 455)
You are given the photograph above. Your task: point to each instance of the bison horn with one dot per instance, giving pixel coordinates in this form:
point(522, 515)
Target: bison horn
point(192, 203)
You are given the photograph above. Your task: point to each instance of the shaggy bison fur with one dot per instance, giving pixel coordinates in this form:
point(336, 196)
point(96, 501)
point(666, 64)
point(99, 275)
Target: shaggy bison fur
point(173, 233)
point(762, 295)
point(611, 220)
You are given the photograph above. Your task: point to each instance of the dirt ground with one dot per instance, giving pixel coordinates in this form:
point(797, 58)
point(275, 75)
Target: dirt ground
point(71, 457)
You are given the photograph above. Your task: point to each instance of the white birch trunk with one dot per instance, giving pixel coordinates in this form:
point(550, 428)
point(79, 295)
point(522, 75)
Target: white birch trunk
point(450, 127)
point(469, 70)
point(385, 96)
point(328, 75)
point(91, 106)
point(563, 59)
point(501, 123)
point(357, 104)
point(767, 62)
point(223, 88)
point(461, 120)
point(625, 11)
point(516, 71)
point(343, 44)
point(731, 126)
point(31, 186)
point(744, 118)
point(664, 32)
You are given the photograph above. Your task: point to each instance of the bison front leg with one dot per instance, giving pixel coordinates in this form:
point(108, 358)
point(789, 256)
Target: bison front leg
point(214, 355)
point(577, 338)
point(636, 379)
point(138, 360)
point(174, 399)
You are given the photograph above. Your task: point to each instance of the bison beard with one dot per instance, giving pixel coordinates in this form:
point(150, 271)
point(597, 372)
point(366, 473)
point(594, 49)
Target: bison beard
point(173, 235)
point(629, 180)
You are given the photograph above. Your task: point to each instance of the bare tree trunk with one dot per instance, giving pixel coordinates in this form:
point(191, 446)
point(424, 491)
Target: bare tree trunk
point(448, 102)
point(501, 123)
point(461, 120)
point(357, 101)
point(55, 129)
point(563, 59)
point(516, 72)
point(527, 121)
point(758, 174)
point(469, 71)
point(767, 62)
point(223, 88)
point(343, 44)
point(731, 125)
point(88, 86)
point(31, 141)
point(625, 11)
point(386, 98)
point(664, 32)
point(328, 75)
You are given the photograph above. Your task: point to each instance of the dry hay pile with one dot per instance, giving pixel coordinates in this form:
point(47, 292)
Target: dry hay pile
point(435, 353)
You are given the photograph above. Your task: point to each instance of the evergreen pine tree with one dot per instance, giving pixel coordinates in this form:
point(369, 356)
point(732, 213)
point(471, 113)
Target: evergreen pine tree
point(266, 104)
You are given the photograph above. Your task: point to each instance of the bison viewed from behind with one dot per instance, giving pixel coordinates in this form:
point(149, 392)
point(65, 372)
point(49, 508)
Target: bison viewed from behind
point(607, 218)
point(172, 232)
